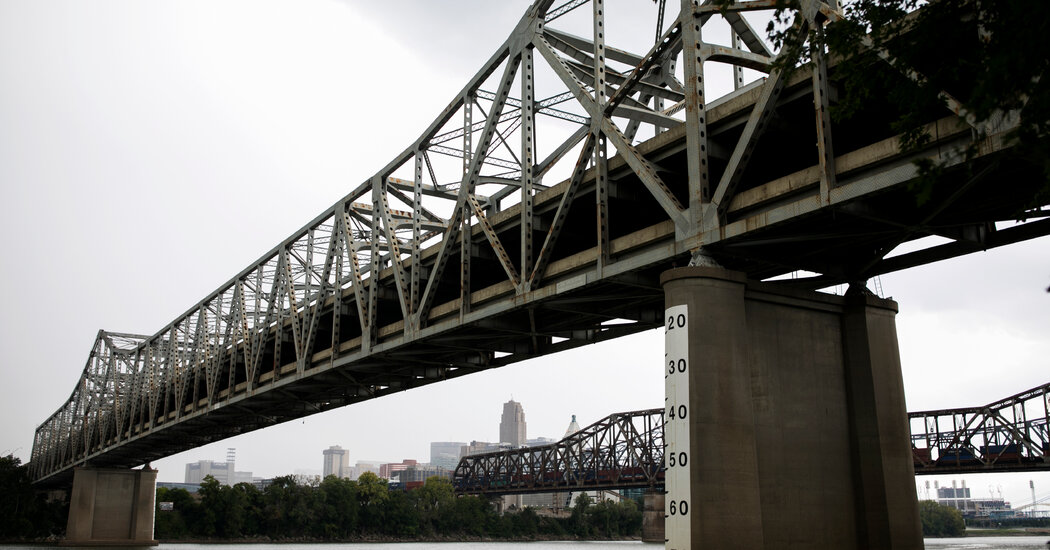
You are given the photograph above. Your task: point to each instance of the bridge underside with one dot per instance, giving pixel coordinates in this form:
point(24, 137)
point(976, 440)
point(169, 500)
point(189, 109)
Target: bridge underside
point(328, 319)
point(838, 244)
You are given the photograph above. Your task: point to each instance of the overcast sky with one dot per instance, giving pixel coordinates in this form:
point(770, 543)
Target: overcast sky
point(149, 151)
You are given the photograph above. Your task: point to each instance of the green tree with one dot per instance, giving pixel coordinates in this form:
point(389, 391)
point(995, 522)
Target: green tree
point(248, 499)
point(372, 494)
point(988, 59)
point(580, 525)
point(525, 523)
point(174, 524)
point(434, 499)
point(400, 516)
point(23, 512)
point(939, 520)
point(278, 501)
point(212, 507)
point(339, 518)
point(470, 515)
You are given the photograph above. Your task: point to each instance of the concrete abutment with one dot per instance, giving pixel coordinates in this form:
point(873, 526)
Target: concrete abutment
point(797, 426)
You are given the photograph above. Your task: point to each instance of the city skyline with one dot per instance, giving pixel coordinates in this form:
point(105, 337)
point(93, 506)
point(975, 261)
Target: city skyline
point(141, 169)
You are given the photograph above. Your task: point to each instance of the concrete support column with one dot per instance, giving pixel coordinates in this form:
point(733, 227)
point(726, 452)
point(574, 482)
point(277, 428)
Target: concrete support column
point(653, 516)
point(883, 466)
point(111, 507)
point(796, 426)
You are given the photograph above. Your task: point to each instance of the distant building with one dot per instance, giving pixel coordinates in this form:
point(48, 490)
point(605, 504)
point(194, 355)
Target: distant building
point(512, 435)
point(336, 462)
point(362, 467)
point(386, 471)
point(223, 472)
point(512, 424)
point(477, 447)
point(573, 427)
point(445, 454)
point(189, 487)
point(421, 473)
point(960, 499)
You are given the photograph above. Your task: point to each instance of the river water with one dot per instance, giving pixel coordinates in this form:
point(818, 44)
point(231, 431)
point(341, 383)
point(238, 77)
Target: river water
point(972, 543)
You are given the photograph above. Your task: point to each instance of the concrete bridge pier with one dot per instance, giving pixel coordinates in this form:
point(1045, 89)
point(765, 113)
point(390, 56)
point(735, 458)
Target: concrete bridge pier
point(112, 507)
point(653, 516)
point(794, 430)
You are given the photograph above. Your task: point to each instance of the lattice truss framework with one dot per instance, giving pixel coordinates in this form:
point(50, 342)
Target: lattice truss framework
point(620, 451)
point(466, 229)
point(1007, 434)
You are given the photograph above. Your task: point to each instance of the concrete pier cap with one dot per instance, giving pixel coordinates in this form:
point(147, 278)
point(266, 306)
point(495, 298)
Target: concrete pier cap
point(797, 431)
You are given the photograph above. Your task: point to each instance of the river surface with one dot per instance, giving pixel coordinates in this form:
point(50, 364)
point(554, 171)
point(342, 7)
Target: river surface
point(971, 543)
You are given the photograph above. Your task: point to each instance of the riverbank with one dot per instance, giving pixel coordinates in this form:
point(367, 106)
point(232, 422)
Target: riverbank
point(1009, 532)
point(364, 539)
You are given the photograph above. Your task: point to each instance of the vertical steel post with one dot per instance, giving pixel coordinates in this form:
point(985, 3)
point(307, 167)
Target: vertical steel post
point(417, 245)
point(601, 181)
point(695, 113)
point(528, 147)
point(825, 151)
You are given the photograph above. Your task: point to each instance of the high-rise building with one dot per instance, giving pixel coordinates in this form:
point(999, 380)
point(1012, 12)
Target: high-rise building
point(445, 454)
point(512, 424)
point(336, 462)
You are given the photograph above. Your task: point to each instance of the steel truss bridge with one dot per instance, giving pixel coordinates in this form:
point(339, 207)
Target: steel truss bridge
point(620, 451)
point(625, 450)
point(535, 214)
point(1009, 434)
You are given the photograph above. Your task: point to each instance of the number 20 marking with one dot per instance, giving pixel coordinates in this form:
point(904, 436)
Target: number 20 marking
point(676, 321)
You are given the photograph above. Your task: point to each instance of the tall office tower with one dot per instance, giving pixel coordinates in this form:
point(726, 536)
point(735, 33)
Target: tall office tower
point(336, 462)
point(512, 424)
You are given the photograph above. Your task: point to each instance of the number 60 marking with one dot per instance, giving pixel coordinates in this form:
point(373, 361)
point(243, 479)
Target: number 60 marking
point(680, 508)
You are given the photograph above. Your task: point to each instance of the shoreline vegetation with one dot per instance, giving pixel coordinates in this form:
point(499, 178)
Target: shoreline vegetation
point(366, 509)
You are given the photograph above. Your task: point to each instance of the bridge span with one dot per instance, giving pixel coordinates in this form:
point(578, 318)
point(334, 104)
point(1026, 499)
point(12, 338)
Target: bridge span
point(545, 207)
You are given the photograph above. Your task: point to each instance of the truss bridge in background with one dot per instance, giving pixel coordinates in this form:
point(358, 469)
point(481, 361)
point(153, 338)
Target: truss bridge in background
point(625, 450)
point(1009, 434)
point(621, 451)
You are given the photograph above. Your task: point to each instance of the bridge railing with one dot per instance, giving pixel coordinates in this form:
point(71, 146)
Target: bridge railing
point(622, 450)
point(1009, 433)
